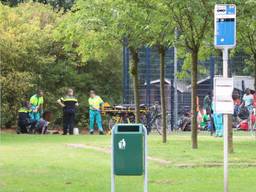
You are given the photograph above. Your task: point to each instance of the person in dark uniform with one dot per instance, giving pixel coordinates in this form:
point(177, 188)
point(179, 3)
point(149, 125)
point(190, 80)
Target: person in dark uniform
point(24, 118)
point(69, 104)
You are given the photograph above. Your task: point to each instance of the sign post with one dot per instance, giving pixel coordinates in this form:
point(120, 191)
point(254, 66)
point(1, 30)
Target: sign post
point(225, 39)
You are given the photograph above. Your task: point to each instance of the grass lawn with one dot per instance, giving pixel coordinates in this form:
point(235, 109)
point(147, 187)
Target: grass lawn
point(34, 163)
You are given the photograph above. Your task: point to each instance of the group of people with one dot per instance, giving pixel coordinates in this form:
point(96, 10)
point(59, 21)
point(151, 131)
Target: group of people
point(244, 110)
point(208, 119)
point(34, 119)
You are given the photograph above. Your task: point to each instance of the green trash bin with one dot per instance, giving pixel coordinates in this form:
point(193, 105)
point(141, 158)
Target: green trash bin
point(129, 152)
point(128, 149)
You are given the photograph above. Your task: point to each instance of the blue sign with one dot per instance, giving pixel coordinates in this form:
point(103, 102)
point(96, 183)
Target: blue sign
point(225, 26)
point(230, 10)
point(225, 32)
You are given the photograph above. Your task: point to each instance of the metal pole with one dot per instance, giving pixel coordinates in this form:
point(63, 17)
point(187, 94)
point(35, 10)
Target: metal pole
point(148, 77)
point(145, 159)
point(112, 161)
point(225, 122)
point(175, 83)
point(225, 63)
point(212, 70)
point(124, 74)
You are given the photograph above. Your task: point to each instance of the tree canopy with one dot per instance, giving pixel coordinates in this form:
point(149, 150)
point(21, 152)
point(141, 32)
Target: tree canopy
point(56, 44)
point(33, 55)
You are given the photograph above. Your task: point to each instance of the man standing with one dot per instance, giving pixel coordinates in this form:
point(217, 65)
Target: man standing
point(208, 111)
point(248, 100)
point(95, 104)
point(68, 103)
point(207, 105)
point(36, 102)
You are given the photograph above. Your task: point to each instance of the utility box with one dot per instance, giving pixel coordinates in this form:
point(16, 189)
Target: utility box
point(129, 151)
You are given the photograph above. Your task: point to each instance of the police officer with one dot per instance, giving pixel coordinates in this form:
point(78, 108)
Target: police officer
point(24, 117)
point(68, 103)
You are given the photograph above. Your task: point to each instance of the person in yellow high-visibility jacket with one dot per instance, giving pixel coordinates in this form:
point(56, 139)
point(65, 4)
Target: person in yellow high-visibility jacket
point(95, 105)
point(37, 102)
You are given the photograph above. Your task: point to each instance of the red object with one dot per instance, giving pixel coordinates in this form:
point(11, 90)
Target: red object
point(254, 99)
point(253, 118)
point(238, 102)
point(244, 125)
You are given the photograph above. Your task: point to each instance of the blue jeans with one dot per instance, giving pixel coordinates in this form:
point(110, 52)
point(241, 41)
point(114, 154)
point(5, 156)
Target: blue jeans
point(35, 116)
point(94, 114)
point(218, 121)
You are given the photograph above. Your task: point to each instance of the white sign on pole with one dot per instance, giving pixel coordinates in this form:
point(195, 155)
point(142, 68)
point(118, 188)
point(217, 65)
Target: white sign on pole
point(223, 102)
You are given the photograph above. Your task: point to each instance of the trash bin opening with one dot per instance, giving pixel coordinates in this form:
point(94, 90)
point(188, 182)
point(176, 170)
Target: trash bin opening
point(128, 128)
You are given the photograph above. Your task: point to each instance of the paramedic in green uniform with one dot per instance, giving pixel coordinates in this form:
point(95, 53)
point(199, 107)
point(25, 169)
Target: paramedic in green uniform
point(36, 102)
point(69, 104)
point(95, 104)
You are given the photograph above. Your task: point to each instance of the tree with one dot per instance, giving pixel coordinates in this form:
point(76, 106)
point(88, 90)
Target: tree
point(193, 26)
point(247, 33)
point(108, 23)
point(129, 24)
point(56, 4)
point(11, 2)
point(246, 42)
point(36, 52)
point(25, 39)
point(160, 33)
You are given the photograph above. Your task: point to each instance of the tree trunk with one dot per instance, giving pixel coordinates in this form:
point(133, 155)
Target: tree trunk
point(194, 56)
point(162, 91)
point(134, 72)
point(254, 71)
point(230, 135)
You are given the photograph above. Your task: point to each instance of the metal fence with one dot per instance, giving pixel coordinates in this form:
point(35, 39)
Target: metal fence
point(149, 75)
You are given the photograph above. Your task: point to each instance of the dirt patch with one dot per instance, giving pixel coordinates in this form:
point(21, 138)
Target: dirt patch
point(7, 130)
point(108, 151)
point(82, 146)
point(213, 164)
point(162, 182)
point(160, 161)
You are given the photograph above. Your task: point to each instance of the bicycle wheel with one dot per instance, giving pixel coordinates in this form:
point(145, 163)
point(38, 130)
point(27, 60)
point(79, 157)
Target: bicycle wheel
point(159, 127)
point(111, 123)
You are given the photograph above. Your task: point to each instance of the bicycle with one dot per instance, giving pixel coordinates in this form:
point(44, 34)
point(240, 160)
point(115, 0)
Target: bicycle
point(154, 120)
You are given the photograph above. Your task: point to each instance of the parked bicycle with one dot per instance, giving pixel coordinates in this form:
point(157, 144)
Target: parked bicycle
point(124, 113)
point(154, 120)
point(149, 116)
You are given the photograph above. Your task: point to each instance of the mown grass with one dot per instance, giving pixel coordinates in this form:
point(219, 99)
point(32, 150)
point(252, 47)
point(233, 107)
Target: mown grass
point(34, 163)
